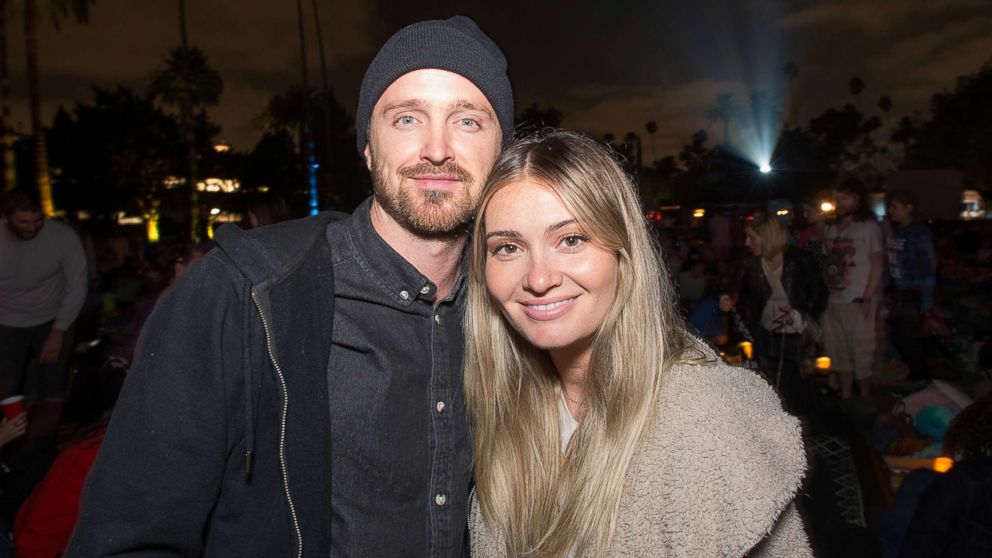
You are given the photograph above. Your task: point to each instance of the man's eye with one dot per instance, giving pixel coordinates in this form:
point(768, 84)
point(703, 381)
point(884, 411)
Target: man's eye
point(468, 122)
point(406, 120)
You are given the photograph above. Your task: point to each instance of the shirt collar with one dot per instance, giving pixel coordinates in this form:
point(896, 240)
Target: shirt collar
point(386, 266)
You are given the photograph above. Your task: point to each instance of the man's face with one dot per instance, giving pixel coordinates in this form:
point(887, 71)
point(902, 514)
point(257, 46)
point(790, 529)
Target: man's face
point(25, 225)
point(433, 139)
point(847, 203)
point(899, 212)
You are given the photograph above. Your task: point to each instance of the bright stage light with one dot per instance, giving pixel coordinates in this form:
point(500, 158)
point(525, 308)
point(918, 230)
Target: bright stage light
point(765, 168)
point(826, 207)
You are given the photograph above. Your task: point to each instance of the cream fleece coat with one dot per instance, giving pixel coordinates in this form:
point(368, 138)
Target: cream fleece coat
point(716, 476)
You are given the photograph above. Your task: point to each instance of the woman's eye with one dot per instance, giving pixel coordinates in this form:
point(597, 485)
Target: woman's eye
point(573, 240)
point(504, 250)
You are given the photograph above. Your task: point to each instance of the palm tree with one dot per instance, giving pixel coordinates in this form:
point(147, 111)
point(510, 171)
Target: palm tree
point(186, 82)
point(791, 71)
point(306, 134)
point(80, 11)
point(632, 145)
point(725, 110)
point(855, 86)
point(651, 127)
point(885, 104)
point(6, 141)
point(325, 88)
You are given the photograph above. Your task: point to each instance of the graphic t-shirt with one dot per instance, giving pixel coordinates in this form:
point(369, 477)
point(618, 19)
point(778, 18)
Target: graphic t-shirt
point(848, 259)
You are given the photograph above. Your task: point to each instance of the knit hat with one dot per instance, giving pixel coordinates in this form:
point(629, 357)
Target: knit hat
point(456, 45)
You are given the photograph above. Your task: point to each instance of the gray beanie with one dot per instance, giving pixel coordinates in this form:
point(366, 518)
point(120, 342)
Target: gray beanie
point(456, 45)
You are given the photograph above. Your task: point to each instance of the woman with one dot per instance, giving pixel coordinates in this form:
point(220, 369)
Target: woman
point(600, 427)
point(782, 295)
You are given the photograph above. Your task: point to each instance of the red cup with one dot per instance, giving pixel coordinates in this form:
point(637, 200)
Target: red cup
point(13, 406)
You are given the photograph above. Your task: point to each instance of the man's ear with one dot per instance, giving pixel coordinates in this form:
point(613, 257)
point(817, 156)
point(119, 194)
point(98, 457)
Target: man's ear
point(368, 160)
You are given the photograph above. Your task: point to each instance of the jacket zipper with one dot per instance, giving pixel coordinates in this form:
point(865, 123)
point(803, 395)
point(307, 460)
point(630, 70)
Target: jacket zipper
point(282, 425)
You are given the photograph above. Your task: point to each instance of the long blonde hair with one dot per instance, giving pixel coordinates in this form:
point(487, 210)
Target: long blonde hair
point(537, 502)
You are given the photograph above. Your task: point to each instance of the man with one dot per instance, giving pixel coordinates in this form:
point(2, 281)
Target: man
point(43, 285)
point(853, 272)
point(912, 277)
point(249, 426)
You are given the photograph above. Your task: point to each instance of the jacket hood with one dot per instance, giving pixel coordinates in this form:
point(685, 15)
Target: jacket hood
point(267, 254)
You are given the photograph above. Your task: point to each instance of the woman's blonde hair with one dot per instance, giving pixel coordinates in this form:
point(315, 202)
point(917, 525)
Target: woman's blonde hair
point(537, 502)
point(773, 234)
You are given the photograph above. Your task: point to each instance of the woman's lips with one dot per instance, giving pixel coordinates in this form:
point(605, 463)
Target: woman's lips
point(545, 310)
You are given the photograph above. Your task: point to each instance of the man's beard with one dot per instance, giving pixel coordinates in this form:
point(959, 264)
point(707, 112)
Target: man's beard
point(422, 211)
point(21, 235)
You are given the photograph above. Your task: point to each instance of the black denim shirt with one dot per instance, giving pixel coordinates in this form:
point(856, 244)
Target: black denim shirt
point(400, 440)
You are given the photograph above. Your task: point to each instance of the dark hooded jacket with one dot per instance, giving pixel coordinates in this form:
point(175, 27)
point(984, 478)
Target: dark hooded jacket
point(219, 445)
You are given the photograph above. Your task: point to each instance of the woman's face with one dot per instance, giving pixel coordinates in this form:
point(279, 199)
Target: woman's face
point(550, 280)
point(752, 241)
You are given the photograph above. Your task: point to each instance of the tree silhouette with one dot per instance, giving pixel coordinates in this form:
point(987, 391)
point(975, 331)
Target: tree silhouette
point(58, 9)
point(651, 127)
point(725, 110)
point(791, 71)
point(186, 83)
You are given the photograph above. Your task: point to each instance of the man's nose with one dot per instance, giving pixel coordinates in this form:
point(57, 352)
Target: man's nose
point(437, 145)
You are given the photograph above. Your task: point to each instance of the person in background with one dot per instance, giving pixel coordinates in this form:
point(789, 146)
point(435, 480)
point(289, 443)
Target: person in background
point(692, 283)
point(947, 515)
point(264, 208)
point(601, 427)
point(782, 293)
point(912, 267)
point(855, 261)
point(43, 284)
point(721, 240)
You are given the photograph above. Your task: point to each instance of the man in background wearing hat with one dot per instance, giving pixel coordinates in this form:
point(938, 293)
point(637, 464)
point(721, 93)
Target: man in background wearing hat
point(299, 392)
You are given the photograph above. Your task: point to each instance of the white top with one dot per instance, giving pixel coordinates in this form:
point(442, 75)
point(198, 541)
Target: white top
point(849, 259)
point(42, 278)
point(778, 305)
point(568, 424)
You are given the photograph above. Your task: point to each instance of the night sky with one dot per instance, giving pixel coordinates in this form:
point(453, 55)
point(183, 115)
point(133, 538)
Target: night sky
point(609, 66)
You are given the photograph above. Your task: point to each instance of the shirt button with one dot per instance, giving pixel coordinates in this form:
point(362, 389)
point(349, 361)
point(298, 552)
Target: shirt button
point(440, 406)
point(437, 319)
point(404, 295)
point(425, 289)
point(440, 499)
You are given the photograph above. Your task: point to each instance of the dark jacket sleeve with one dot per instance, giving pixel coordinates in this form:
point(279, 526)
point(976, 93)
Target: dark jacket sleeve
point(159, 472)
point(933, 525)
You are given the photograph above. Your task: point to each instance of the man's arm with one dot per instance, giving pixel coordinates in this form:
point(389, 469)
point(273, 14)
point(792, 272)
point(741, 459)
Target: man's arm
point(73, 268)
point(877, 270)
point(159, 472)
point(76, 284)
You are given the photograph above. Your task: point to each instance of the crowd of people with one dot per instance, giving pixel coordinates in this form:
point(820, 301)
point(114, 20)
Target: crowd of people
point(868, 292)
point(387, 383)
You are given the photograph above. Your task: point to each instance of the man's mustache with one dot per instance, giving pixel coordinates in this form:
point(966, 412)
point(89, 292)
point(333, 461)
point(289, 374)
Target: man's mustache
point(447, 171)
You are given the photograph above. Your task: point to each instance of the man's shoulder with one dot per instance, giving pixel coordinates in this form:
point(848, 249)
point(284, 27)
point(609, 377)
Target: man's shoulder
point(60, 231)
point(276, 249)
